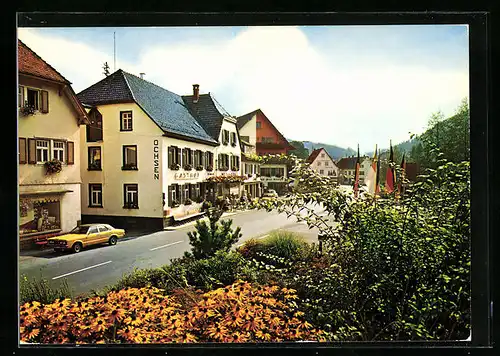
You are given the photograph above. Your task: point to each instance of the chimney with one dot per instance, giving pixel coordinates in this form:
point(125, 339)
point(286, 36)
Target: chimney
point(142, 75)
point(196, 93)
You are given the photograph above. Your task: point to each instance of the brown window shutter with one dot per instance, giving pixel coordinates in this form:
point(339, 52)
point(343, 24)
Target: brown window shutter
point(71, 153)
point(22, 150)
point(45, 102)
point(31, 151)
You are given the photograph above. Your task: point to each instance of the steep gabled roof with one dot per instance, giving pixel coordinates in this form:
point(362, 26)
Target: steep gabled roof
point(242, 120)
point(208, 113)
point(112, 89)
point(313, 155)
point(32, 64)
point(165, 108)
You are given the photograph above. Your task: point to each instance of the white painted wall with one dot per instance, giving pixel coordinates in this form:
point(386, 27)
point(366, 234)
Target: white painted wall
point(230, 125)
point(250, 130)
point(322, 164)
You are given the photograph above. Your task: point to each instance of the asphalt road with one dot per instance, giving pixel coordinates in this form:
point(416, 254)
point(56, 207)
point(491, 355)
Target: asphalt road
point(98, 266)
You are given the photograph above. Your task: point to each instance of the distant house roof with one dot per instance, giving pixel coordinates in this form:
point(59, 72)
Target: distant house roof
point(242, 120)
point(313, 155)
point(208, 113)
point(347, 163)
point(32, 64)
point(165, 108)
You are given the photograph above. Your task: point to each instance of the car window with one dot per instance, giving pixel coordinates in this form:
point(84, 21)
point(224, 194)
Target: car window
point(79, 230)
point(93, 230)
point(103, 228)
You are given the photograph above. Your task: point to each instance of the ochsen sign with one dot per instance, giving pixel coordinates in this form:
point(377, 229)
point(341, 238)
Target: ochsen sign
point(156, 159)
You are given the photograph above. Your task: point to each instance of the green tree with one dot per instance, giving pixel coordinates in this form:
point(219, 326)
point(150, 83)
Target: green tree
point(300, 151)
point(212, 236)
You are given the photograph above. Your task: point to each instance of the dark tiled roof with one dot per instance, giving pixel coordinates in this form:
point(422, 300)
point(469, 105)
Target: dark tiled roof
point(347, 163)
point(207, 113)
point(165, 108)
point(313, 155)
point(30, 63)
point(112, 89)
point(242, 120)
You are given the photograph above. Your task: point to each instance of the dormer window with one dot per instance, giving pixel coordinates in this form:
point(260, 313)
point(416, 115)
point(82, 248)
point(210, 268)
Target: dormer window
point(36, 99)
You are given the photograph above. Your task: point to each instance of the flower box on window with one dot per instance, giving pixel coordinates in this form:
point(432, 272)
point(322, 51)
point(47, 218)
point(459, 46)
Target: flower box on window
point(175, 204)
point(175, 166)
point(27, 109)
point(188, 201)
point(131, 205)
point(234, 168)
point(224, 168)
point(53, 166)
point(199, 168)
point(188, 167)
point(129, 167)
point(233, 144)
point(225, 142)
point(94, 166)
point(210, 168)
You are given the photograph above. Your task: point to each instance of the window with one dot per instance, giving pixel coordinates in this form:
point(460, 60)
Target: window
point(322, 155)
point(321, 171)
point(130, 196)
point(258, 124)
point(129, 158)
point(267, 140)
point(95, 195)
point(209, 161)
point(233, 139)
point(319, 164)
point(32, 98)
point(94, 159)
point(103, 228)
point(93, 230)
point(42, 151)
point(225, 137)
point(20, 96)
point(187, 192)
point(125, 120)
point(245, 138)
point(223, 162)
point(326, 164)
point(173, 195)
point(58, 151)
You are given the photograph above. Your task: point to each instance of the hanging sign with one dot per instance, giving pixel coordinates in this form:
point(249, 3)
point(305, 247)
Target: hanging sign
point(156, 159)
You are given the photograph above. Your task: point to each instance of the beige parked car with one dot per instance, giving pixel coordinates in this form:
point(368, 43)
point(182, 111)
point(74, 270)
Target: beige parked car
point(86, 235)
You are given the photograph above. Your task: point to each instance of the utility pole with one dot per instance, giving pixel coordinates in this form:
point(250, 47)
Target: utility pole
point(114, 51)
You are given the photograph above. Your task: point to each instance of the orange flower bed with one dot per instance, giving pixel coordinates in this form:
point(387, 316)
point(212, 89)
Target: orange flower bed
point(240, 312)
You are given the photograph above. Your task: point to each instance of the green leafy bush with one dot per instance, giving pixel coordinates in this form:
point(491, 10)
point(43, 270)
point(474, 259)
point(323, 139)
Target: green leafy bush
point(40, 290)
point(397, 269)
point(212, 236)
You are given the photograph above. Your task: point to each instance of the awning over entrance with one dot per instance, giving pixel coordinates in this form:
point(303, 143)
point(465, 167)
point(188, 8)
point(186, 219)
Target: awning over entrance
point(44, 192)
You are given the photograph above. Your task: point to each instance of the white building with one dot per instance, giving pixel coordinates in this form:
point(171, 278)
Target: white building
point(147, 156)
point(49, 122)
point(152, 154)
point(221, 127)
point(320, 161)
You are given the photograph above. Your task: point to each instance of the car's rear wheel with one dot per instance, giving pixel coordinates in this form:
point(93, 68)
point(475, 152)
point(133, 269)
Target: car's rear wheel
point(113, 240)
point(77, 247)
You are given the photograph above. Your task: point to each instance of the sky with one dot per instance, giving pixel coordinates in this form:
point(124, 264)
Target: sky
point(340, 85)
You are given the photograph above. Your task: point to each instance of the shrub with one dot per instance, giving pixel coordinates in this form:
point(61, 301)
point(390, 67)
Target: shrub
point(399, 268)
point(141, 278)
point(286, 244)
point(240, 312)
point(41, 291)
point(212, 236)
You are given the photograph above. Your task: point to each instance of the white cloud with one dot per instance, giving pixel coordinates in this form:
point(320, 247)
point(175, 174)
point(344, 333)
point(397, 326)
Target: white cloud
point(308, 95)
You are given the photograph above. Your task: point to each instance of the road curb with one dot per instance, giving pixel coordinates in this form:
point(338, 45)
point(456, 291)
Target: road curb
point(191, 223)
